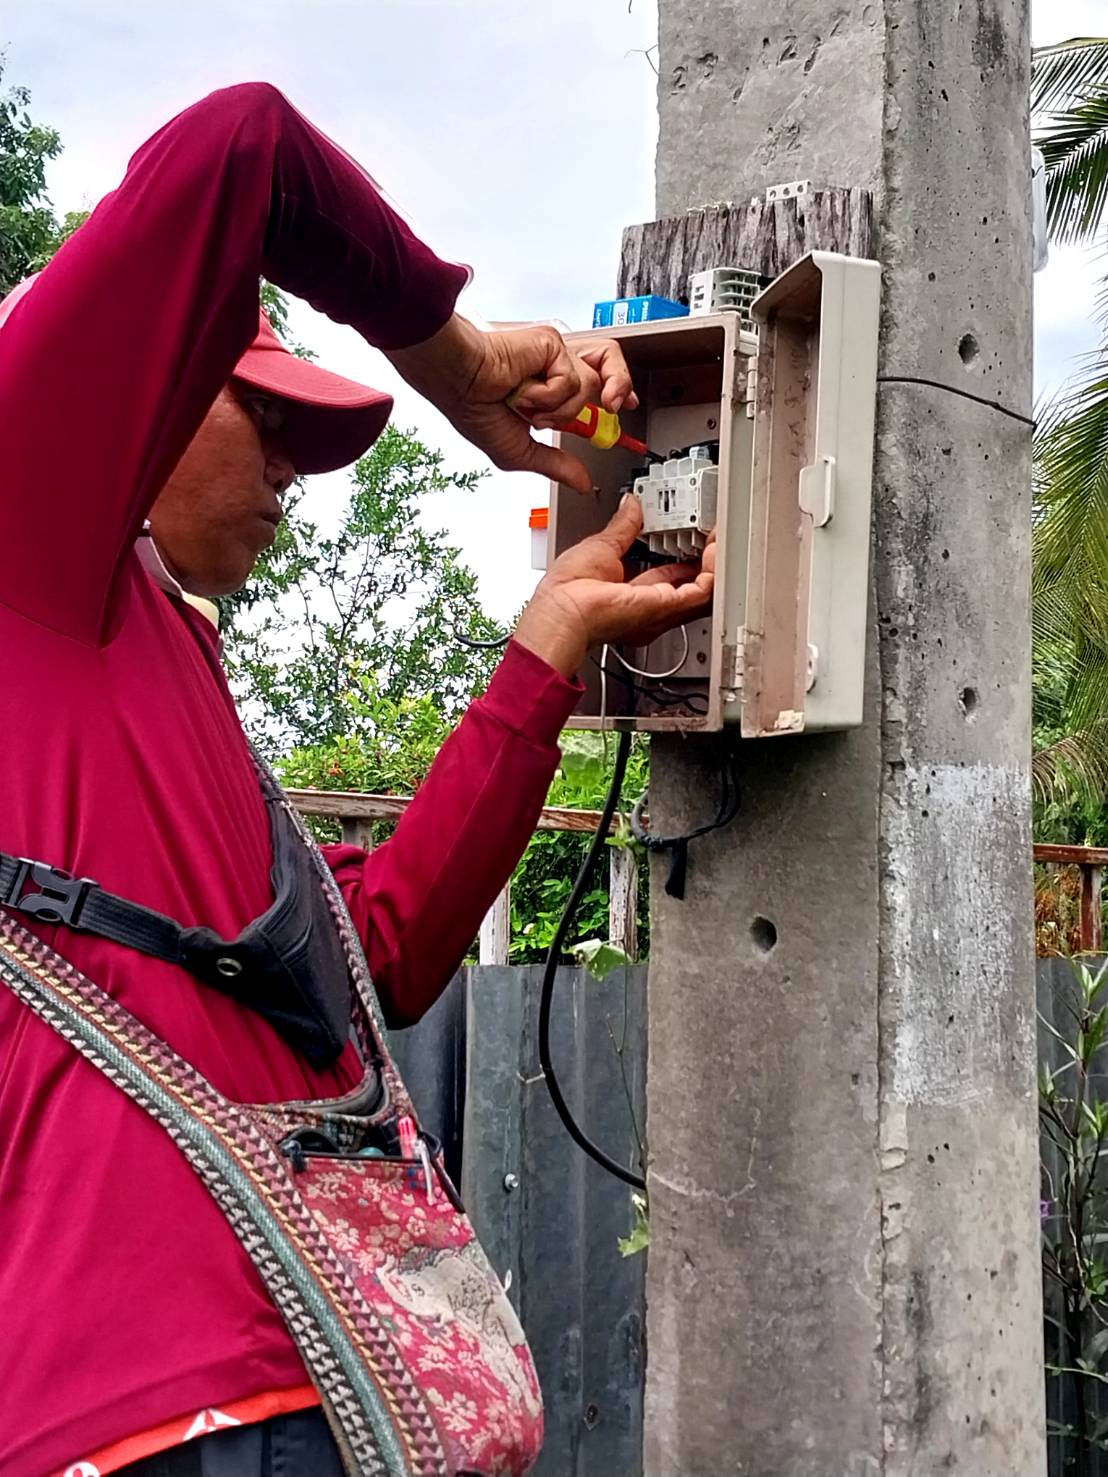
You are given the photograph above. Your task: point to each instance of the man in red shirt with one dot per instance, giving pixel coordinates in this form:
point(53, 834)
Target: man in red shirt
point(135, 389)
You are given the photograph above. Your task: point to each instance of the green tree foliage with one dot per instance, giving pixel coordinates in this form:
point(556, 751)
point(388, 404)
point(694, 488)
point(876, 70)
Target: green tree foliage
point(391, 754)
point(542, 881)
point(276, 305)
point(338, 633)
point(30, 232)
point(1073, 1118)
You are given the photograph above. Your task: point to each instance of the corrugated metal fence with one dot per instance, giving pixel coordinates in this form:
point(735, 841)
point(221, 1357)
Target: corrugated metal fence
point(549, 1218)
point(1057, 998)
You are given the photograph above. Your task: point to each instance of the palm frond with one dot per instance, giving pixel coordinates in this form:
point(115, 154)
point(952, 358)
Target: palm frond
point(1088, 693)
point(1069, 659)
point(1075, 766)
point(1070, 565)
point(1058, 617)
point(1071, 484)
point(1070, 490)
point(1068, 70)
point(1075, 148)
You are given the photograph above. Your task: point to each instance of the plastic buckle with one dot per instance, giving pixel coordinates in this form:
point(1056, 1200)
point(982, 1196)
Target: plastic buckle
point(60, 897)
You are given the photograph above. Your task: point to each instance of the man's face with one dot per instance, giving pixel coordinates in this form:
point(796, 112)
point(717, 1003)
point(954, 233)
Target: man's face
point(222, 505)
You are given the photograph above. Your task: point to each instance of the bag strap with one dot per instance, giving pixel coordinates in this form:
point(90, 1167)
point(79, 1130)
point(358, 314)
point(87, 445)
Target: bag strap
point(366, 1018)
point(379, 1417)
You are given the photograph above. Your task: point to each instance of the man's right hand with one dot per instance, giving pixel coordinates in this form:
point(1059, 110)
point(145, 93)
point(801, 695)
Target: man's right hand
point(469, 376)
point(586, 599)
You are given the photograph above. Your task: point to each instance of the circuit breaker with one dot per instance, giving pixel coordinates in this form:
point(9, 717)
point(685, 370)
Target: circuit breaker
point(679, 498)
point(766, 438)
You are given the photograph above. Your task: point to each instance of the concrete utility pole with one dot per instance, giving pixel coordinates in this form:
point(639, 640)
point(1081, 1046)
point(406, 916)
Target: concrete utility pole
point(844, 1272)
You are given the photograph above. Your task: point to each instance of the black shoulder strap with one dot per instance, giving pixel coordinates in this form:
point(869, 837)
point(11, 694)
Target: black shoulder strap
point(54, 896)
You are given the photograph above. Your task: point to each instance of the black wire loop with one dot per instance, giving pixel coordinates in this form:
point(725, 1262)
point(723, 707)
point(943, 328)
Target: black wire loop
point(481, 645)
point(730, 801)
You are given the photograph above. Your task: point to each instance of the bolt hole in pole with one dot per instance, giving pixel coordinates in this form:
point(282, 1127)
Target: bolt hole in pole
point(969, 350)
point(764, 934)
point(967, 701)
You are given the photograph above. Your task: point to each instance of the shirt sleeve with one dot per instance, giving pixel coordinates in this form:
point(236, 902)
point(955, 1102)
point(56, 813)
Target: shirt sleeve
point(113, 358)
point(418, 900)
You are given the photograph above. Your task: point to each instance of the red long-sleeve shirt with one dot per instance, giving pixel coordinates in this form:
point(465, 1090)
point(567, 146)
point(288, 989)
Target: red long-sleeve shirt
point(125, 1299)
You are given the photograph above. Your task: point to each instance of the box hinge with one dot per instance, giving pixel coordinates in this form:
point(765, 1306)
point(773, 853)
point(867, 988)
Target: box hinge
point(731, 676)
point(734, 386)
point(789, 190)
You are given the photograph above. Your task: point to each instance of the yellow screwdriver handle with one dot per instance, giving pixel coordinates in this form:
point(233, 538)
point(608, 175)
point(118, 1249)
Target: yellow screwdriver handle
point(593, 422)
point(604, 429)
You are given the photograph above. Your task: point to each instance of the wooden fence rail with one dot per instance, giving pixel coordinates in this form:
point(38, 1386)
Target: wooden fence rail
point(1090, 862)
point(356, 813)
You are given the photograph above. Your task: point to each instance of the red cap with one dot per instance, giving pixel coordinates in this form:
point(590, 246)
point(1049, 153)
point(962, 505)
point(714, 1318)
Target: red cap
point(329, 421)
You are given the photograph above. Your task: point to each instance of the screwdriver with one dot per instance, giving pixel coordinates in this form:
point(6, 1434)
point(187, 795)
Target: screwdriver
point(597, 425)
point(603, 429)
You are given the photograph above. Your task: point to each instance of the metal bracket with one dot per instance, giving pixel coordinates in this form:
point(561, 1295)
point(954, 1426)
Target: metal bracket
point(731, 674)
point(789, 190)
point(735, 378)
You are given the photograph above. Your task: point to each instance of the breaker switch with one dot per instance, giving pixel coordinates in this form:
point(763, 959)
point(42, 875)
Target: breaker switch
point(679, 499)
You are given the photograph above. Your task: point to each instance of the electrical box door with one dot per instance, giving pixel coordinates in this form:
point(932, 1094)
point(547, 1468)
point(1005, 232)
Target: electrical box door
point(767, 440)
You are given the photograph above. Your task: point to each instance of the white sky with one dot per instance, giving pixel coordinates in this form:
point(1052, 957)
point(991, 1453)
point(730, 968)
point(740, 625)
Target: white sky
point(518, 137)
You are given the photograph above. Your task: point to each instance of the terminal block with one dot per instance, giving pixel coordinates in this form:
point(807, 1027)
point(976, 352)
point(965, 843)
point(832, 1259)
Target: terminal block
point(678, 499)
point(722, 290)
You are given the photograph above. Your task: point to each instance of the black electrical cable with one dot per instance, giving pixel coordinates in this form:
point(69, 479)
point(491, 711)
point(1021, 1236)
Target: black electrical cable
point(665, 697)
point(728, 809)
point(550, 972)
point(659, 694)
point(911, 379)
point(481, 645)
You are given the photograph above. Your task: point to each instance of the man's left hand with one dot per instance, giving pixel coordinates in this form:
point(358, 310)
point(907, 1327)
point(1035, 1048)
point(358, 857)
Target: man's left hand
point(585, 599)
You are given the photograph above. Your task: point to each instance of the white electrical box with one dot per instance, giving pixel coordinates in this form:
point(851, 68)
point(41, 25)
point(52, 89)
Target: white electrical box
point(767, 438)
